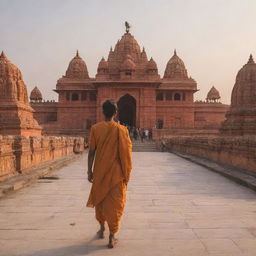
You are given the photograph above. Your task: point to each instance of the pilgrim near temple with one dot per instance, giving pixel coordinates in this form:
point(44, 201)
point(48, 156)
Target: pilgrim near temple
point(39, 132)
point(145, 100)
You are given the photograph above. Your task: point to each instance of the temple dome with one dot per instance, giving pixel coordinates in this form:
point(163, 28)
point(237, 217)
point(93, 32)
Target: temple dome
point(77, 68)
point(175, 68)
point(36, 95)
point(244, 91)
point(128, 45)
point(151, 65)
point(213, 95)
point(103, 64)
point(241, 117)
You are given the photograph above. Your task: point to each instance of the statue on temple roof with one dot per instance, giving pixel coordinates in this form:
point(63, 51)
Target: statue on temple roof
point(127, 26)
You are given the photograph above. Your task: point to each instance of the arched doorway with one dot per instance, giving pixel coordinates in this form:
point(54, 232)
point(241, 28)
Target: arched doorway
point(127, 110)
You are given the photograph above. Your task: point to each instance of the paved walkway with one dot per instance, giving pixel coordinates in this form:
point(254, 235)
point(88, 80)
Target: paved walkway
point(174, 208)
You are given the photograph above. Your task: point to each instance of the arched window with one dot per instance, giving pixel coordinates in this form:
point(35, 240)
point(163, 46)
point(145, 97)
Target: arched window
point(159, 96)
point(75, 97)
point(177, 96)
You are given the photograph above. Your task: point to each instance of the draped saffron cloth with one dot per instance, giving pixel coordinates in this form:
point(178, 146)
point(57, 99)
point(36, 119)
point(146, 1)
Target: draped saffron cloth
point(111, 171)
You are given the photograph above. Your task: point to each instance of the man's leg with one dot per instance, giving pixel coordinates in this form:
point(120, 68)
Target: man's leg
point(101, 219)
point(113, 207)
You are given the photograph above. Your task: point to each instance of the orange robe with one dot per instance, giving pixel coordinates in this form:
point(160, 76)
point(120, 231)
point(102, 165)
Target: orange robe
point(111, 171)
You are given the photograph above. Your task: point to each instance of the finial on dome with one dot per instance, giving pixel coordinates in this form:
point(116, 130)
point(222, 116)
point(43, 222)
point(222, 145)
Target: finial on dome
point(250, 61)
point(77, 53)
point(175, 53)
point(111, 49)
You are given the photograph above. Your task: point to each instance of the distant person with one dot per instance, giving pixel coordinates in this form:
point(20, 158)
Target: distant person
point(146, 133)
point(110, 151)
point(135, 133)
point(150, 134)
point(142, 134)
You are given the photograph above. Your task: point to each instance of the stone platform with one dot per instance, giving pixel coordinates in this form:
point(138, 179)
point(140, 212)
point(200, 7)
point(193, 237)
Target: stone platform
point(174, 207)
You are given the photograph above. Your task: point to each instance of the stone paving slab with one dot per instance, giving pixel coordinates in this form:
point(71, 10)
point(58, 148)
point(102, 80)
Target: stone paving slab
point(174, 207)
point(26, 179)
point(238, 175)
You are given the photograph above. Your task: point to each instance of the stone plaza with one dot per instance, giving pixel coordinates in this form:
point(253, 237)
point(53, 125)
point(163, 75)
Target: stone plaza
point(174, 207)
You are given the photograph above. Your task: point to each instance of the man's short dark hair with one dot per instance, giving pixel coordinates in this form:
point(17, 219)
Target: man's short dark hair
point(109, 108)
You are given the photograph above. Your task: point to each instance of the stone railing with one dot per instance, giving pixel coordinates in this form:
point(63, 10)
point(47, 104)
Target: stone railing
point(237, 151)
point(20, 154)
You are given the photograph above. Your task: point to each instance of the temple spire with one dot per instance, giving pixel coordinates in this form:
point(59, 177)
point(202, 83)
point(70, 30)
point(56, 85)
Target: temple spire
point(250, 61)
point(3, 56)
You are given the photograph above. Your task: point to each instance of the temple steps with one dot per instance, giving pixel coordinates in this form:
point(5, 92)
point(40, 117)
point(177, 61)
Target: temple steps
point(146, 146)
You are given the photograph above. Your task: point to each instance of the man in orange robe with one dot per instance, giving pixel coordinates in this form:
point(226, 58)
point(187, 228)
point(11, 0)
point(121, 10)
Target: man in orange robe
point(110, 150)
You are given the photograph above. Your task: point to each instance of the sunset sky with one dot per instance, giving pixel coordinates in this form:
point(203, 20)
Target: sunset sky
point(213, 37)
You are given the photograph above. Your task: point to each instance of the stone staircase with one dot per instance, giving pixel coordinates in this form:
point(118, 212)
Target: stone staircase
point(145, 146)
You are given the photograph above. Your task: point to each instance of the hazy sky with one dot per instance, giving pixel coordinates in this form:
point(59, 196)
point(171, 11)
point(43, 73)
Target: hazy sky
point(213, 37)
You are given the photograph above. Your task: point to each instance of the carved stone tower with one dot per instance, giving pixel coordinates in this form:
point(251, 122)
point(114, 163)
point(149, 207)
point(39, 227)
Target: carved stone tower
point(16, 115)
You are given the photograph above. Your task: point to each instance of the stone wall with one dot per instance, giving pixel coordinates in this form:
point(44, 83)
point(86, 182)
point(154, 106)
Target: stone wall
point(21, 154)
point(237, 151)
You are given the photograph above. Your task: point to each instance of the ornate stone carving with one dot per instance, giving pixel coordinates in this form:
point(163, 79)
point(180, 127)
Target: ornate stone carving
point(12, 87)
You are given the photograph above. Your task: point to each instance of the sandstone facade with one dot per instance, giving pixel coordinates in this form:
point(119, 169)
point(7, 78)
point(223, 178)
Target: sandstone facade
point(144, 99)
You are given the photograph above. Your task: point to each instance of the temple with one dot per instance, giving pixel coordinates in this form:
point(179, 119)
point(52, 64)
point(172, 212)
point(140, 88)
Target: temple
point(145, 99)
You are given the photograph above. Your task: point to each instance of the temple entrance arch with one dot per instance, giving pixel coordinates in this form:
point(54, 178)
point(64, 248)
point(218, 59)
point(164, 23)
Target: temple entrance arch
point(127, 110)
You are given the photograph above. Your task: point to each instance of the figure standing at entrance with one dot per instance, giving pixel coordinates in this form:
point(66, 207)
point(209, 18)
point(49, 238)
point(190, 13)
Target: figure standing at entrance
point(110, 151)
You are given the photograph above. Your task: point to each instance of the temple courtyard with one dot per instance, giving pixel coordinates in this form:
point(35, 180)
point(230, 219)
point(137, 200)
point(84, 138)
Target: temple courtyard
point(174, 207)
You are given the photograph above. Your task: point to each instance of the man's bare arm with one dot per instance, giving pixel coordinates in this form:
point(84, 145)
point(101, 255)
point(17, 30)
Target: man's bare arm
point(91, 156)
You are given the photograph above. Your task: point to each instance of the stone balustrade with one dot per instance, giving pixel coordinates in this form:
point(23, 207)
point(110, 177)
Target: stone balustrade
point(20, 154)
point(238, 151)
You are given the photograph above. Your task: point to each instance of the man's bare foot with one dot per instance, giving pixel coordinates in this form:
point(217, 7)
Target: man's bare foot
point(100, 233)
point(112, 241)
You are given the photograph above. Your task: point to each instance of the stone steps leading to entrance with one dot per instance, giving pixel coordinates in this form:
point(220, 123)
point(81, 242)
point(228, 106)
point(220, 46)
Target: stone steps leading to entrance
point(146, 146)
